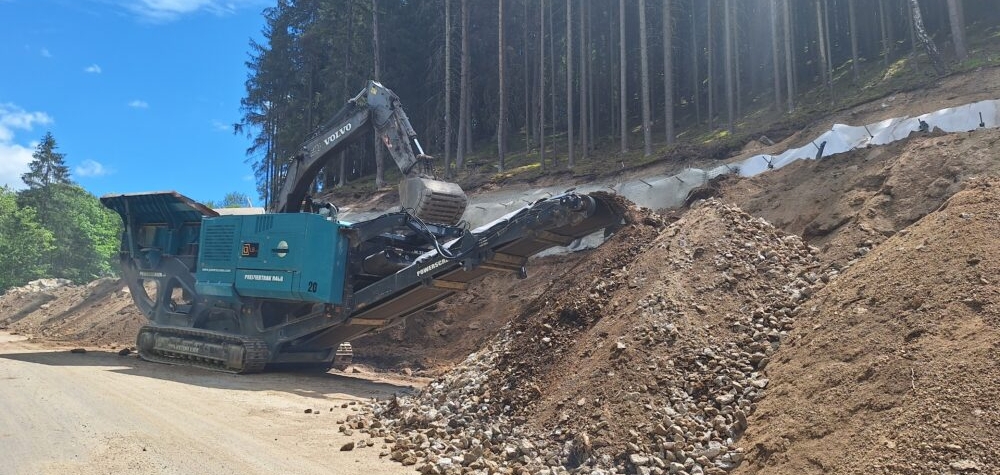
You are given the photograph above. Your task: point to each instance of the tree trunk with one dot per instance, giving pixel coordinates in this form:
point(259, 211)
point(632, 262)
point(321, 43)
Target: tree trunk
point(541, 87)
point(913, 42)
point(883, 28)
point(853, 20)
point(737, 76)
point(584, 134)
point(463, 91)
point(822, 43)
point(918, 26)
point(623, 85)
point(527, 88)
point(775, 55)
point(668, 72)
point(447, 89)
point(710, 45)
point(502, 116)
point(957, 19)
point(647, 130)
point(590, 78)
point(789, 65)
point(552, 68)
point(695, 59)
point(571, 161)
point(829, 46)
point(379, 147)
point(728, 38)
point(613, 82)
point(349, 56)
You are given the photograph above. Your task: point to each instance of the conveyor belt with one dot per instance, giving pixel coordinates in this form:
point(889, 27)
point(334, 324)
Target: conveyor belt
point(508, 243)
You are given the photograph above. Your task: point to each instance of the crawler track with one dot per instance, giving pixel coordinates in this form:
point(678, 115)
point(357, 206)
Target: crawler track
point(229, 353)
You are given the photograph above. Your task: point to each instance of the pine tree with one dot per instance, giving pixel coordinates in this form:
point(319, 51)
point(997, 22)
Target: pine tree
point(541, 86)
point(956, 18)
point(447, 88)
point(623, 84)
point(775, 55)
point(853, 19)
point(918, 26)
point(584, 53)
point(789, 60)
point(668, 72)
point(502, 119)
point(571, 160)
point(647, 130)
point(47, 167)
point(730, 99)
point(379, 148)
point(463, 91)
point(826, 74)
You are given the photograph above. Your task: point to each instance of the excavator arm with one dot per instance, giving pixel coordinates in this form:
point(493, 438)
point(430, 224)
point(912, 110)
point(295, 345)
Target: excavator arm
point(379, 108)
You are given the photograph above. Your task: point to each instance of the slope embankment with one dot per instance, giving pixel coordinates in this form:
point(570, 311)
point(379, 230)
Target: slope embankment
point(892, 368)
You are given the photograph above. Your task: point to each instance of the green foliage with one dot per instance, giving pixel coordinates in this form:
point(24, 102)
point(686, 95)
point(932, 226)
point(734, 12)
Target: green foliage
point(54, 228)
point(85, 233)
point(24, 243)
point(235, 199)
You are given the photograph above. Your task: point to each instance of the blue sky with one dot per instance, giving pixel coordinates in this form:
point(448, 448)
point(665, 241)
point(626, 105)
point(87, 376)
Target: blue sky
point(140, 95)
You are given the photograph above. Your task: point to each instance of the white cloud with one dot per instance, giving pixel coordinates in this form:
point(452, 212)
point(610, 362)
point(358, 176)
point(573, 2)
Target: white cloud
point(14, 161)
point(138, 104)
point(45, 53)
point(14, 157)
point(93, 68)
point(168, 10)
point(14, 117)
point(91, 168)
point(220, 126)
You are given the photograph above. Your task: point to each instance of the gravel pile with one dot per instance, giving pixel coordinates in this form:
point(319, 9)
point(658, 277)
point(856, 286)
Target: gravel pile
point(647, 357)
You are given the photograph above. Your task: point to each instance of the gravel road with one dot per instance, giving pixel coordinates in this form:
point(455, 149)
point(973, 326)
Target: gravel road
point(101, 413)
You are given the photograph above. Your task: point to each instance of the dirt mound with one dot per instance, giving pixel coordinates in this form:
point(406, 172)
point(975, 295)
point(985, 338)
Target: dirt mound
point(100, 313)
point(893, 367)
point(848, 203)
point(648, 356)
point(431, 341)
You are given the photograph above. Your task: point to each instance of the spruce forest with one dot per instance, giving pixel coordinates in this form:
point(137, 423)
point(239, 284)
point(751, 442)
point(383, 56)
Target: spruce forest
point(549, 84)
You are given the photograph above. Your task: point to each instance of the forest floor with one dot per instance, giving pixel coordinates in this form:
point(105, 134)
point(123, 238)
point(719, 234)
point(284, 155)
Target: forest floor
point(834, 316)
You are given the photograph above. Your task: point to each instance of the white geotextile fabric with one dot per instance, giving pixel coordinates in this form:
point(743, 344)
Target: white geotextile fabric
point(664, 191)
point(842, 138)
point(669, 191)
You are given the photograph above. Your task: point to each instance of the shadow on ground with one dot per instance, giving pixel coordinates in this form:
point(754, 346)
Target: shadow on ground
point(308, 384)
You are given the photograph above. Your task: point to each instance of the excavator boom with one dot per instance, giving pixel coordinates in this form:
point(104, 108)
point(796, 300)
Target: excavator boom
point(375, 107)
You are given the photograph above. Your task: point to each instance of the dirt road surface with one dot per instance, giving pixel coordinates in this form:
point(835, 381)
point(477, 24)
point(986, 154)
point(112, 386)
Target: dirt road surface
point(101, 413)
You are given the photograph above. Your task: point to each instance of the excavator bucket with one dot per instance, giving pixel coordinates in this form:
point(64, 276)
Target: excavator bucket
point(433, 201)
